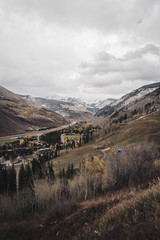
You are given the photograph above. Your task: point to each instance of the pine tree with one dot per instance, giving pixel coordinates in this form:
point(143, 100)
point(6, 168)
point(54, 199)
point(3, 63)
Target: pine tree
point(30, 190)
point(62, 173)
point(3, 180)
point(51, 172)
point(68, 172)
point(72, 170)
point(12, 181)
point(87, 137)
point(34, 166)
point(29, 177)
point(56, 153)
point(80, 141)
point(22, 178)
point(37, 169)
point(1, 185)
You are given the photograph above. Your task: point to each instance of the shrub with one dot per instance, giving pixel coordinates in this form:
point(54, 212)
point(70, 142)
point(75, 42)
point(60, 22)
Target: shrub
point(133, 166)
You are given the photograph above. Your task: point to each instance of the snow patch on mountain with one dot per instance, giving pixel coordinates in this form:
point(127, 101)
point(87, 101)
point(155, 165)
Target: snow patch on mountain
point(82, 103)
point(134, 95)
point(129, 98)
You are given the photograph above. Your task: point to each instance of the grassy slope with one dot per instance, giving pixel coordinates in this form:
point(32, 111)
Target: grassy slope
point(128, 133)
point(75, 156)
point(134, 131)
point(126, 214)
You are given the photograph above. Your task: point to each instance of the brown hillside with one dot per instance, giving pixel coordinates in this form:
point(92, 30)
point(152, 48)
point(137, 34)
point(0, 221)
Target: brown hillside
point(19, 115)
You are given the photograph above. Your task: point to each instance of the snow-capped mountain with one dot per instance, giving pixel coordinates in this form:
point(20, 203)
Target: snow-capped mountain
point(127, 99)
point(83, 103)
point(136, 94)
point(70, 107)
point(103, 103)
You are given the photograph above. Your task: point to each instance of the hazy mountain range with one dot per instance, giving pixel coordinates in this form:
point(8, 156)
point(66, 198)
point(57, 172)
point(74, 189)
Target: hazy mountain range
point(20, 114)
point(69, 107)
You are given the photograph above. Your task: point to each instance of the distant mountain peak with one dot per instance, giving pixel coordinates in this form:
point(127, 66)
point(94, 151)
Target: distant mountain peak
point(70, 107)
point(81, 101)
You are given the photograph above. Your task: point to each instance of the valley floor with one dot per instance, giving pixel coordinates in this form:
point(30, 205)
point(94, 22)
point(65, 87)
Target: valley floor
point(4, 138)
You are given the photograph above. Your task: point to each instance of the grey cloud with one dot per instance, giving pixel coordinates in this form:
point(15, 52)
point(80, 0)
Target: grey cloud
point(105, 15)
point(104, 56)
point(107, 70)
point(149, 48)
point(43, 42)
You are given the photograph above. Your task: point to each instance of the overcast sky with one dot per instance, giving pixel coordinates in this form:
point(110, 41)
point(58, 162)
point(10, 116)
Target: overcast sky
point(92, 49)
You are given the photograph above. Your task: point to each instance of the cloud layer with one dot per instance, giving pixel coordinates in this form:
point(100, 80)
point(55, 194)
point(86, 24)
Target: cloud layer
point(92, 49)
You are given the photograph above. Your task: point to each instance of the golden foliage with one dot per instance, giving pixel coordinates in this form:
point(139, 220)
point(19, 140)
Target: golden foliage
point(94, 166)
point(21, 142)
point(76, 144)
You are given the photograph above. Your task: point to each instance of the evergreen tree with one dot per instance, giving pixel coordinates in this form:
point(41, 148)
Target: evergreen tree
point(72, 170)
point(56, 153)
point(37, 169)
point(84, 138)
point(68, 171)
point(60, 174)
point(125, 116)
point(12, 181)
point(22, 178)
point(30, 190)
point(87, 137)
point(34, 166)
point(80, 141)
point(51, 172)
point(1, 185)
point(29, 178)
point(64, 189)
point(3, 179)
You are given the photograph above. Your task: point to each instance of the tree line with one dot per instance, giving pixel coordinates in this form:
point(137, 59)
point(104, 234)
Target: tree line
point(9, 184)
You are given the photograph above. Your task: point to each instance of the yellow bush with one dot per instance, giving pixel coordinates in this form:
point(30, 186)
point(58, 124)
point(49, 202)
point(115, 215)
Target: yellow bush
point(21, 142)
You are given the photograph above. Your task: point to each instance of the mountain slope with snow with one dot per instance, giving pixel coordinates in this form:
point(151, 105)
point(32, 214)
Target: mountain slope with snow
point(127, 99)
point(82, 103)
point(70, 107)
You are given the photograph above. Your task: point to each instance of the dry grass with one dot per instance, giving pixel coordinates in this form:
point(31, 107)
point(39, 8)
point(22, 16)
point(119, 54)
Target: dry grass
point(75, 156)
point(137, 218)
point(133, 132)
point(127, 214)
point(130, 213)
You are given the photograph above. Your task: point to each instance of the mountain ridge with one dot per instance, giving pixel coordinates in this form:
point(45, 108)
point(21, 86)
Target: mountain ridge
point(127, 99)
point(19, 115)
point(71, 108)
